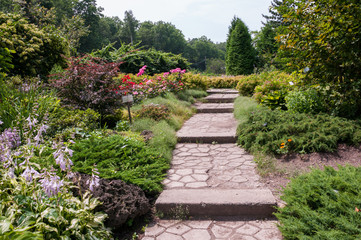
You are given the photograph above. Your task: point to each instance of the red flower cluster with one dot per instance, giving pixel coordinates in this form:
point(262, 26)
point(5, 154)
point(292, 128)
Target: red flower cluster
point(150, 87)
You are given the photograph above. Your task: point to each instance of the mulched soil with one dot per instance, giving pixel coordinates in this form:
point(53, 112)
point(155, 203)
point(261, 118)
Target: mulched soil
point(294, 164)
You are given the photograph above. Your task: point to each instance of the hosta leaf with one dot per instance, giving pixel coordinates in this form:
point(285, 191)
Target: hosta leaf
point(5, 225)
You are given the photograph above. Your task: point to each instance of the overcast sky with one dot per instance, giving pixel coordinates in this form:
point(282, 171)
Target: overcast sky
point(194, 18)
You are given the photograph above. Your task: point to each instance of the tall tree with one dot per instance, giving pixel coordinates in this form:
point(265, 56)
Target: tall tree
point(266, 45)
point(201, 50)
point(162, 36)
point(91, 14)
point(241, 55)
point(130, 26)
point(324, 38)
point(275, 19)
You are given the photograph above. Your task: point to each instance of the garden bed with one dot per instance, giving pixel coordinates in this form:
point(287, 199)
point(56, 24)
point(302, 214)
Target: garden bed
point(292, 165)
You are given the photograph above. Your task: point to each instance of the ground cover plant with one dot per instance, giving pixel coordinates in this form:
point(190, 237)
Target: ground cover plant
point(323, 204)
point(281, 132)
point(124, 158)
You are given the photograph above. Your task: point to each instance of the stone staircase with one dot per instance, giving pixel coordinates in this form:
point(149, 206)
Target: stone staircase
point(213, 181)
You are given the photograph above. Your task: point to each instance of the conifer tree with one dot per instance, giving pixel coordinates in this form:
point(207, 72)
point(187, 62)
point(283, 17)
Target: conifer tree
point(241, 55)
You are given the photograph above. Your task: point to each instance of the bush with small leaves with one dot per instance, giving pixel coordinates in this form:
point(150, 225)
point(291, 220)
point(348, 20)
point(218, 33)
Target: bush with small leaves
point(322, 204)
point(279, 132)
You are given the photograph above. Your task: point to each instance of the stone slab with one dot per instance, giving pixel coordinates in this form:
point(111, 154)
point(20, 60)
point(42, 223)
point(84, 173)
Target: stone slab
point(212, 230)
point(250, 203)
point(208, 166)
point(222, 91)
point(215, 108)
point(221, 98)
point(209, 128)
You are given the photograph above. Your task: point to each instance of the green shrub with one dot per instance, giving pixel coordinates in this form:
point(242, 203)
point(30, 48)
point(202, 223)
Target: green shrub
point(322, 204)
point(64, 118)
point(21, 100)
point(223, 81)
point(273, 90)
point(248, 83)
point(194, 81)
point(154, 111)
point(305, 101)
point(119, 157)
point(36, 50)
point(133, 59)
point(280, 132)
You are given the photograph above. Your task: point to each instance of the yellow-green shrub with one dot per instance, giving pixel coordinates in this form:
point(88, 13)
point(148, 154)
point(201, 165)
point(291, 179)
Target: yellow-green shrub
point(223, 81)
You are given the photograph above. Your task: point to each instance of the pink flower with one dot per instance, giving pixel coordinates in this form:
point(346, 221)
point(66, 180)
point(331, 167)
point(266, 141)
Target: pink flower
point(135, 93)
point(141, 71)
point(165, 74)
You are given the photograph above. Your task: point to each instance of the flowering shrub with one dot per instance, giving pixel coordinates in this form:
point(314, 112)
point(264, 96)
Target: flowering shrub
point(38, 203)
point(149, 88)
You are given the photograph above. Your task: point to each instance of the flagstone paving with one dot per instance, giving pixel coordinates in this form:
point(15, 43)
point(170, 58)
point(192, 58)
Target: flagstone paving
point(211, 230)
point(225, 166)
point(218, 182)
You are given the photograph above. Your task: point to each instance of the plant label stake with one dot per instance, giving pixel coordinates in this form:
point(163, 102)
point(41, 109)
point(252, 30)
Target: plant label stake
point(128, 99)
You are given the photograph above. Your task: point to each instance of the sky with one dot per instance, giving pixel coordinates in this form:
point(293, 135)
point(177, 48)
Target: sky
point(195, 18)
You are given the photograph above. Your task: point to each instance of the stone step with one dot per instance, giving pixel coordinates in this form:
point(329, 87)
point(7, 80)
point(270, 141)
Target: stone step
point(215, 108)
point(203, 203)
point(222, 91)
point(209, 128)
point(221, 98)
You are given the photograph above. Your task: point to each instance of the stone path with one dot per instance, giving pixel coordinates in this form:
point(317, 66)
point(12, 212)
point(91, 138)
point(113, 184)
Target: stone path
point(215, 186)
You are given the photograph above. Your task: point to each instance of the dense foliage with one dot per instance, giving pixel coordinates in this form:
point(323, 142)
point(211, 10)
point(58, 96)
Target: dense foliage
point(280, 132)
point(322, 38)
point(35, 51)
point(88, 83)
point(119, 157)
point(323, 204)
point(38, 202)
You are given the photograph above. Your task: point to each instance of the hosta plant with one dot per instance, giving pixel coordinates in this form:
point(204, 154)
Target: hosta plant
point(38, 203)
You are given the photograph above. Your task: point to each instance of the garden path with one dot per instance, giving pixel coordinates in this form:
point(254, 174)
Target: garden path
point(213, 183)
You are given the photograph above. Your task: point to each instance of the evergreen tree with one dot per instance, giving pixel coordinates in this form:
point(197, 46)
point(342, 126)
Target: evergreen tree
point(241, 55)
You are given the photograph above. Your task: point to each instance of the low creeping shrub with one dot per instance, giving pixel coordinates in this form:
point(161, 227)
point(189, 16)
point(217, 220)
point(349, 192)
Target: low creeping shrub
point(63, 119)
point(280, 132)
point(124, 158)
point(322, 204)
